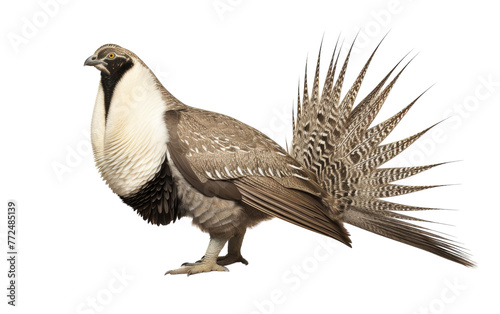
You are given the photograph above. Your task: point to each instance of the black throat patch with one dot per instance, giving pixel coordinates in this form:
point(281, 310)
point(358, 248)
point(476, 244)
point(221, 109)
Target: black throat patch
point(109, 83)
point(157, 200)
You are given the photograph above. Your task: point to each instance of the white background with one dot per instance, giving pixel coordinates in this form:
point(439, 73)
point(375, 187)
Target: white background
point(244, 58)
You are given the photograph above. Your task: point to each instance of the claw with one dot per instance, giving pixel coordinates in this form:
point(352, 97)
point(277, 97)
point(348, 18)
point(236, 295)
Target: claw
point(196, 268)
point(207, 263)
point(192, 264)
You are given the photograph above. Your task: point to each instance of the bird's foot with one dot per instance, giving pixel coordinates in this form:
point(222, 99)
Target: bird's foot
point(196, 268)
point(231, 259)
point(223, 260)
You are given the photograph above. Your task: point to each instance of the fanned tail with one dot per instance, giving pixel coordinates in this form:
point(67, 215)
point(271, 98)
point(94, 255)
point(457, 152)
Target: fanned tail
point(334, 140)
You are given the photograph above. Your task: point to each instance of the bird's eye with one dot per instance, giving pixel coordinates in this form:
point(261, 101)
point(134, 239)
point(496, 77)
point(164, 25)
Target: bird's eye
point(111, 56)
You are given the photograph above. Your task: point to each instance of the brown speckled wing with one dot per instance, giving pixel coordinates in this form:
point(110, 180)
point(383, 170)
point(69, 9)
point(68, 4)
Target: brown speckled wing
point(217, 153)
point(218, 147)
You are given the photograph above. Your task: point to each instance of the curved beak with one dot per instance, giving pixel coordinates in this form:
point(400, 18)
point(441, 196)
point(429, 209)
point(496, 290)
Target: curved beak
point(92, 60)
point(99, 64)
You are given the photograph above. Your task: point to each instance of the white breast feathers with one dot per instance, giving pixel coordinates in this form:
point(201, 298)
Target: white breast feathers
point(130, 145)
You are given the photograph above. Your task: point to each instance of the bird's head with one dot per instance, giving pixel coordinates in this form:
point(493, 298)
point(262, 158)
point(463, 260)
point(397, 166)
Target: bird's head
point(111, 59)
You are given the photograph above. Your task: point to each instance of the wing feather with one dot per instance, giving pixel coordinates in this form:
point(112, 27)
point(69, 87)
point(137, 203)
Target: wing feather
point(223, 157)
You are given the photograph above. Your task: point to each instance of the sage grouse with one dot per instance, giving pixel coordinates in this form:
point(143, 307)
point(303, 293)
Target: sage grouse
point(168, 160)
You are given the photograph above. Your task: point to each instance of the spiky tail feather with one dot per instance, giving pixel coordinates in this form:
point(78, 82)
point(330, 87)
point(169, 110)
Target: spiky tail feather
point(335, 141)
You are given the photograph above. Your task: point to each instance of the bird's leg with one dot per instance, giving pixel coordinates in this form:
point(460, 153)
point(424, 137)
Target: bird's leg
point(233, 251)
point(207, 263)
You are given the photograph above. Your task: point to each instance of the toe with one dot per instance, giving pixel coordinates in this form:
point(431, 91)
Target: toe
point(192, 264)
point(196, 268)
point(203, 269)
point(231, 259)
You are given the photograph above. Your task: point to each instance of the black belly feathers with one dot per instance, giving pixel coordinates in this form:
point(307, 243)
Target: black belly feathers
point(157, 200)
